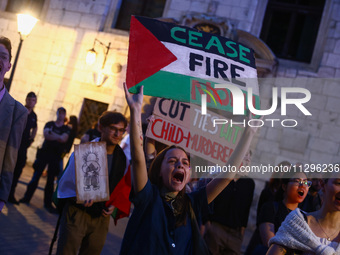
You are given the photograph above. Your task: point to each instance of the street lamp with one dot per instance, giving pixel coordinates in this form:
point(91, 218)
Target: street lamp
point(99, 77)
point(92, 54)
point(25, 25)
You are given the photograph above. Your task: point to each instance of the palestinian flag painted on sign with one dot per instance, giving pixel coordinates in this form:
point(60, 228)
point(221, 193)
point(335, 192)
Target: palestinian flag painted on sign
point(180, 63)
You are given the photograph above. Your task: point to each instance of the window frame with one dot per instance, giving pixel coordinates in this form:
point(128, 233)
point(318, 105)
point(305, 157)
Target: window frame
point(318, 51)
point(113, 16)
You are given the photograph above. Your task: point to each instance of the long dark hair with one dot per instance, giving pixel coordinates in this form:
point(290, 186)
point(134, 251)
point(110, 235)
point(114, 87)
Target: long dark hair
point(275, 180)
point(74, 122)
point(181, 201)
point(280, 193)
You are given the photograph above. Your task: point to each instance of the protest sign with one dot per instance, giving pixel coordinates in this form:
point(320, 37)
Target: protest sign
point(91, 172)
point(170, 125)
point(181, 63)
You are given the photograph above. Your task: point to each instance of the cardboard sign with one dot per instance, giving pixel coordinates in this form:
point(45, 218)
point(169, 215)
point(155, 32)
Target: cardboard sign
point(92, 180)
point(181, 63)
point(182, 124)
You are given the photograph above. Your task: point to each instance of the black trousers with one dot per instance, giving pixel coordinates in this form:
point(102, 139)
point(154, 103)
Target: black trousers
point(43, 159)
point(21, 162)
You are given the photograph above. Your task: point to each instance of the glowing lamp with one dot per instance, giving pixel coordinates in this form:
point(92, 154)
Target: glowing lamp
point(25, 24)
point(91, 56)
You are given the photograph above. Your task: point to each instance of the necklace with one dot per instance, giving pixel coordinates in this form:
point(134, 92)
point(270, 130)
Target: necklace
point(328, 237)
point(170, 198)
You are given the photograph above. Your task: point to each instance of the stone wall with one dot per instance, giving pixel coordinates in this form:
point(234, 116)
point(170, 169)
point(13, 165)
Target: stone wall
point(240, 12)
point(52, 60)
point(315, 139)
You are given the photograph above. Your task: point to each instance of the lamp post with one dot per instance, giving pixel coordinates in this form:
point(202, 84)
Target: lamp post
point(25, 25)
point(100, 77)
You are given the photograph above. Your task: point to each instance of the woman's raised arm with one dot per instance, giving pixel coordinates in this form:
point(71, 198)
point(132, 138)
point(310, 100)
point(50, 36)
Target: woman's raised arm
point(215, 187)
point(139, 172)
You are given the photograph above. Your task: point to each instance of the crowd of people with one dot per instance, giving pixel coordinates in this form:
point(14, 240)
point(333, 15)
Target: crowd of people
point(295, 214)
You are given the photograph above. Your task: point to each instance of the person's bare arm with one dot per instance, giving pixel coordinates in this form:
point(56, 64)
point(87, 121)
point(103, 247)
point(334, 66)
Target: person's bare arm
point(52, 136)
point(2, 203)
point(108, 211)
point(267, 231)
point(139, 172)
point(33, 133)
point(243, 229)
point(48, 134)
point(215, 187)
point(62, 138)
point(275, 249)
